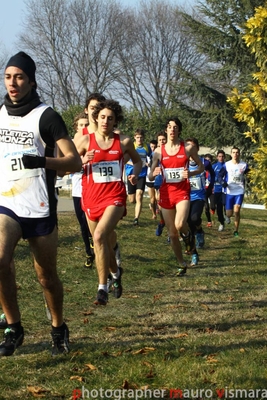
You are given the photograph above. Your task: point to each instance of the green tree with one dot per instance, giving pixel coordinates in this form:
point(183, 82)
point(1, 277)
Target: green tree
point(69, 115)
point(251, 104)
point(218, 28)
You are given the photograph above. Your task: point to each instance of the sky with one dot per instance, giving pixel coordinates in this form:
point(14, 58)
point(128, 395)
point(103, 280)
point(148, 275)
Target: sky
point(11, 21)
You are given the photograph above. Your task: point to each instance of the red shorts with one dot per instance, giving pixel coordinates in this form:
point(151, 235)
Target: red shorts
point(169, 200)
point(95, 213)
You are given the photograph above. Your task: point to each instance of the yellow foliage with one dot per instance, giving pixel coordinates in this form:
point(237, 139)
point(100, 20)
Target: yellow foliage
point(251, 106)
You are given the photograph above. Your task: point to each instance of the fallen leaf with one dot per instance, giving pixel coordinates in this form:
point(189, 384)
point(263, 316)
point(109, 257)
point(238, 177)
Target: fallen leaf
point(157, 297)
point(148, 364)
point(110, 328)
point(77, 378)
point(87, 313)
point(37, 391)
point(205, 306)
point(91, 367)
point(211, 359)
point(181, 335)
point(242, 350)
point(144, 350)
point(125, 385)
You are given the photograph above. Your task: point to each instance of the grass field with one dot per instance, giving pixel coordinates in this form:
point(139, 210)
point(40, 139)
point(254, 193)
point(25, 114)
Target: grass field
point(203, 334)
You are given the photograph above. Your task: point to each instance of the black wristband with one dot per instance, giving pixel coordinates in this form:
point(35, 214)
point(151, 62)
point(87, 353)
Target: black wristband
point(31, 161)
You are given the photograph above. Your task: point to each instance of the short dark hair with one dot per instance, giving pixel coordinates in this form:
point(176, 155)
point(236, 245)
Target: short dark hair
point(194, 140)
point(221, 152)
point(153, 141)
point(235, 148)
point(161, 133)
point(112, 105)
point(94, 96)
point(209, 156)
point(176, 120)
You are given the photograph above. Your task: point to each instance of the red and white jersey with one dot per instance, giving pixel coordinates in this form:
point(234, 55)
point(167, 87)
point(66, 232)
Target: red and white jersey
point(172, 170)
point(102, 181)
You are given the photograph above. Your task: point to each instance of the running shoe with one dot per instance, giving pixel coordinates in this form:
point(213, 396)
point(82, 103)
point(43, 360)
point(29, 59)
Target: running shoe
point(227, 220)
point(116, 285)
point(101, 298)
point(235, 234)
point(194, 259)
point(60, 340)
point(89, 261)
point(209, 224)
point(159, 229)
point(200, 240)
point(91, 243)
point(12, 339)
point(221, 228)
point(181, 271)
point(3, 321)
point(135, 222)
point(212, 212)
point(117, 254)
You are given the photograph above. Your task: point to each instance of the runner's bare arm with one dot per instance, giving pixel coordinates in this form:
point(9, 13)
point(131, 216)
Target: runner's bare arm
point(155, 169)
point(193, 152)
point(129, 150)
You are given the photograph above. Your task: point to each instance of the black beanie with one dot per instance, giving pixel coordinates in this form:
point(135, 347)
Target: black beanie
point(23, 61)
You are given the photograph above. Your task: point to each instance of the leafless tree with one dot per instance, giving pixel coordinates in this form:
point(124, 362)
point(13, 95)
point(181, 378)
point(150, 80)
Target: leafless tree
point(133, 54)
point(158, 46)
point(74, 45)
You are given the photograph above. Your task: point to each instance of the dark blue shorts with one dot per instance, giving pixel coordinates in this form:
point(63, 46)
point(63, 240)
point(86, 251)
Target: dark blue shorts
point(32, 227)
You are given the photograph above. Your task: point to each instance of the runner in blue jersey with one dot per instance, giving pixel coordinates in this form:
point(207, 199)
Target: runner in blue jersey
point(197, 201)
point(136, 192)
point(218, 189)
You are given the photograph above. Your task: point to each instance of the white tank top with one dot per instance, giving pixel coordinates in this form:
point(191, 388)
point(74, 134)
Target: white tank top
point(24, 191)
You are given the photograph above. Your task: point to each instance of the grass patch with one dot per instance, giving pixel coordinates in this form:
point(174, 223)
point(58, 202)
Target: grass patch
point(204, 331)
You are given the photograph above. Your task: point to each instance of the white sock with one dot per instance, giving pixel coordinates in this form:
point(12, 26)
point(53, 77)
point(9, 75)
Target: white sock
point(116, 275)
point(103, 287)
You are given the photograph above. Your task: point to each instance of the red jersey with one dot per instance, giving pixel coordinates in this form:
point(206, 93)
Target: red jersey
point(174, 187)
point(102, 180)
